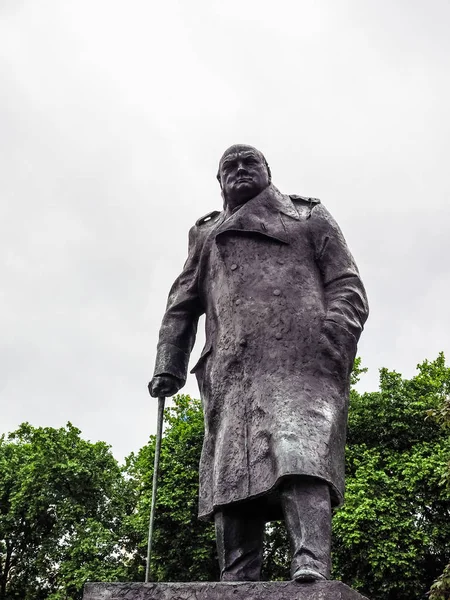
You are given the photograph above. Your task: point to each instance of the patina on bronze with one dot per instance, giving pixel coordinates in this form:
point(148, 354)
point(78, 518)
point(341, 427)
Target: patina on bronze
point(280, 590)
point(285, 307)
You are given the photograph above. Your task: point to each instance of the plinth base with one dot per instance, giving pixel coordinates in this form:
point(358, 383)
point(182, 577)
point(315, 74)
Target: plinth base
point(275, 590)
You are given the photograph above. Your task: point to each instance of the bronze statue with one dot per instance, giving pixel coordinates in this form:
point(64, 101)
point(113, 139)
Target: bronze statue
point(285, 307)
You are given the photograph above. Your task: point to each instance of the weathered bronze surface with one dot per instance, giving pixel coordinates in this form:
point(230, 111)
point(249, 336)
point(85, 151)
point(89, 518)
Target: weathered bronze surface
point(285, 307)
point(328, 590)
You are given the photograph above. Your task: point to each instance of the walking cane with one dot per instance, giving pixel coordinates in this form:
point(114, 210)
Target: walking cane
point(161, 402)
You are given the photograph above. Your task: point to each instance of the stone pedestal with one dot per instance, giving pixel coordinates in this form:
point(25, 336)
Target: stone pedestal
point(326, 590)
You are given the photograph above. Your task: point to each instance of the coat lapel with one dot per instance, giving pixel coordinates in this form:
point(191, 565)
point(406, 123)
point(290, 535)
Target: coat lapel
point(263, 215)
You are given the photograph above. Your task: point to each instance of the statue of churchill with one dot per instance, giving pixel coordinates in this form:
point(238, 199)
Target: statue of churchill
point(285, 307)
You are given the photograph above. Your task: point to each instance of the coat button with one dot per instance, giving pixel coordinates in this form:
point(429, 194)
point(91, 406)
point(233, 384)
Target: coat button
point(278, 336)
point(238, 301)
point(276, 292)
point(233, 267)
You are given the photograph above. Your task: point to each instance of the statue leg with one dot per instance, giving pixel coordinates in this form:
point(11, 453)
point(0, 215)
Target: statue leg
point(306, 507)
point(239, 538)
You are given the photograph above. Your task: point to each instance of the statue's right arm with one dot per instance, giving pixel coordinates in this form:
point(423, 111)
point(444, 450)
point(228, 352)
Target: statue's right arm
point(179, 326)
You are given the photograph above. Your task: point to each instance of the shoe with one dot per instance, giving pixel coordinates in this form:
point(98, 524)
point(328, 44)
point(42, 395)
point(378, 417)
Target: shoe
point(303, 574)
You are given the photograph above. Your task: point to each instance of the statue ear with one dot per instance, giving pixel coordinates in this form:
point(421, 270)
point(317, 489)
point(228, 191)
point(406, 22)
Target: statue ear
point(222, 193)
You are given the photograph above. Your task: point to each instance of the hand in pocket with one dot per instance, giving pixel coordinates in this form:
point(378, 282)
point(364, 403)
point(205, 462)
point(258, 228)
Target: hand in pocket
point(337, 348)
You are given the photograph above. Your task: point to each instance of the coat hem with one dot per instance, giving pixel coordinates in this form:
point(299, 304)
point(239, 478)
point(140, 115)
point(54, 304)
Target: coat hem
point(337, 497)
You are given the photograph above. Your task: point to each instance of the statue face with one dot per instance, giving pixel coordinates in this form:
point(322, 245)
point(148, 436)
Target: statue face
point(243, 174)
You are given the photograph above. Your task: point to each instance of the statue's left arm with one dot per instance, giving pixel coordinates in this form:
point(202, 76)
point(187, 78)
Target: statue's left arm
point(345, 296)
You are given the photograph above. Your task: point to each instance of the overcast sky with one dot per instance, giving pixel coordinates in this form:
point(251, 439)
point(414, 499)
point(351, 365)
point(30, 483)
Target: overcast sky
point(113, 118)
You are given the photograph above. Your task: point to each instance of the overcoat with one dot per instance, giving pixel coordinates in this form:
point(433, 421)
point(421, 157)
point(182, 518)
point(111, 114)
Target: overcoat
point(284, 306)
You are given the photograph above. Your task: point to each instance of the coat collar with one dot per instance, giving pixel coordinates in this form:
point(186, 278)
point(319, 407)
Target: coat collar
point(262, 214)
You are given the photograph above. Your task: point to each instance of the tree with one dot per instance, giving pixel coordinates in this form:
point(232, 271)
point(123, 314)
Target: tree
point(183, 547)
point(440, 590)
point(60, 511)
point(391, 536)
point(69, 513)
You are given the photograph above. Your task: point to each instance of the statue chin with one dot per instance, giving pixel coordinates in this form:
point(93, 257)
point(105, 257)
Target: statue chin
point(243, 192)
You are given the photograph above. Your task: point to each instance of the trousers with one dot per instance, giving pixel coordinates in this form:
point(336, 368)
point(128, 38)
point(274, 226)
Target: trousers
point(306, 508)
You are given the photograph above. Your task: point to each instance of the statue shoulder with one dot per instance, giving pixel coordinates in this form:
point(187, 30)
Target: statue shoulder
point(208, 219)
point(304, 205)
point(304, 200)
point(199, 231)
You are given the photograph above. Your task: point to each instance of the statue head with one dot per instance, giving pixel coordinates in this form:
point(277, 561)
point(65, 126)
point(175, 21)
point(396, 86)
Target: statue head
point(243, 174)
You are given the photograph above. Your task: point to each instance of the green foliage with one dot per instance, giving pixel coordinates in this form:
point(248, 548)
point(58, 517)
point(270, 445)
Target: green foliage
point(58, 513)
point(391, 536)
point(276, 553)
point(357, 371)
point(183, 547)
point(440, 590)
point(69, 513)
point(441, 415)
